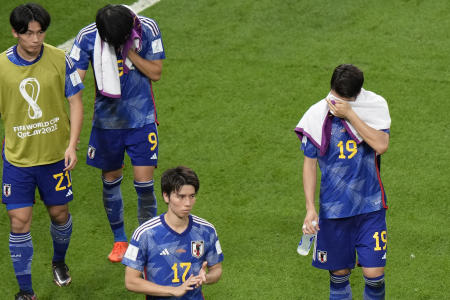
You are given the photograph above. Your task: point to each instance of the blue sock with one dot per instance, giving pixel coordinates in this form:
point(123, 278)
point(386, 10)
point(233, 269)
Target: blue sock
point(340, 287)
point(113, 203)
point(146, 200)
point(375, 288)
point(21, 249)
point(61, 239)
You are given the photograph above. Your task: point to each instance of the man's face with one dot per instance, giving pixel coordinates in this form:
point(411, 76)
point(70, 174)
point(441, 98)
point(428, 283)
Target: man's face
point(336, 97)
point(30, 42)
point(181, 202)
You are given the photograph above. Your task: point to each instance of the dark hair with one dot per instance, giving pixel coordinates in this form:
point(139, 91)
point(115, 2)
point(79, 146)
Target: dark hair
point(172, 180)
point(23, 14)
point(347, 80)
point(114, 24)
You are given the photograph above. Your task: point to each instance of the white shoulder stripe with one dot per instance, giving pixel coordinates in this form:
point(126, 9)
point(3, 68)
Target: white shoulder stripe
point(10, 51)
point(156, 221)
point(88, 29)
point(69, 61)
point(201, 221)
point(151, 25)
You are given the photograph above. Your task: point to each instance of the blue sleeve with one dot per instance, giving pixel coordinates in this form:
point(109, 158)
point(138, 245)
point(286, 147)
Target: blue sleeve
point(152, 45)
point(137, 253)
point(308, 148)
point(83, 45)
point(73, 83)
point(214, 253)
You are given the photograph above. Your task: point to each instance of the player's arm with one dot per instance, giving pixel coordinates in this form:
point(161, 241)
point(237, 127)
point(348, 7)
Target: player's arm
point(76, 122)
point(309, 187)
point(209, 275)
point(135, 283)
point(150, 68)
point(378, 140)
point(82, 73)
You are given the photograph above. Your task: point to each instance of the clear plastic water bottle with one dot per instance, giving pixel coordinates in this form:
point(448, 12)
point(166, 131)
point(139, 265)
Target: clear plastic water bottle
point(305, 243)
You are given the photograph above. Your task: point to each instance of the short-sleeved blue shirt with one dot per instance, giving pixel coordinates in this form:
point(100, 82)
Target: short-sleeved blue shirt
point(350, 181)
point(168, 258)
point(136, 106)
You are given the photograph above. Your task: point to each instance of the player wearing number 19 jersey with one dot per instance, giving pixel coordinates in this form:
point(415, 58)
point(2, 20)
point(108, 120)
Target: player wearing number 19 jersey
point(345, 134)
point(40, 142)
point(125, 121)
point(176, 249)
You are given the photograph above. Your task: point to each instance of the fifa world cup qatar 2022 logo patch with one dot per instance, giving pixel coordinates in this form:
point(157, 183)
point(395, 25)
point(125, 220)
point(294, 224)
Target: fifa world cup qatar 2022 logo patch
point(6, 189)
point(197, 248)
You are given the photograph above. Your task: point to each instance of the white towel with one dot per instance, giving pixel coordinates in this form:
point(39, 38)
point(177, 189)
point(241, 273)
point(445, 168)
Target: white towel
point(371, 108)
point(105, 68)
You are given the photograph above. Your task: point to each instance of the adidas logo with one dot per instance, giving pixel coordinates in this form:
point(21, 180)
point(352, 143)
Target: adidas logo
point(69, 193)
point(384, 256)
point(164, 252)
point(154, 156)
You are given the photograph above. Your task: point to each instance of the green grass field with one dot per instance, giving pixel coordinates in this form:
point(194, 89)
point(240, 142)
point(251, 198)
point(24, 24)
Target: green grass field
point(237, 78)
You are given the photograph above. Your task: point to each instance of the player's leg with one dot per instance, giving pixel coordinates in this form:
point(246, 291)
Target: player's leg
point(340, 284)
point(372, 240)
point(144, 185)
point(142, 147)
point(334, 251)
point(106, 152)
point(55, 188)
point(113, 203)
point(61, 231)
point(21, 246)
point(18, 195)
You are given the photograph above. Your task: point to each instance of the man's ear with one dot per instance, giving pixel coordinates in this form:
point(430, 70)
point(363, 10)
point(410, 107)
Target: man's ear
point(14, 33)
point(166, 197)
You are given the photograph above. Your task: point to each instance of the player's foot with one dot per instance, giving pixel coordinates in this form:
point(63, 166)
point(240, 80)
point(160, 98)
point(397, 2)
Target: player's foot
point(25, 296)
point(61, 275)
point(118, 252)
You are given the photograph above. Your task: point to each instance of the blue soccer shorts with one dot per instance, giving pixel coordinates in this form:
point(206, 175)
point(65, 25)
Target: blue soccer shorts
point(339, 240)
point(19, 185)
point(107, 147)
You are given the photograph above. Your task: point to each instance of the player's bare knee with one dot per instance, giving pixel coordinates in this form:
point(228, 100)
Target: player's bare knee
point(373, 272)
point(59, 214)
point(342, 272)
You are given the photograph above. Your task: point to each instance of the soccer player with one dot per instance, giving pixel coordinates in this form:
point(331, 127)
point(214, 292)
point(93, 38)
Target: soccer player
point(40, 142)
point(346, 133)
point(178, 252)
point(126, 52)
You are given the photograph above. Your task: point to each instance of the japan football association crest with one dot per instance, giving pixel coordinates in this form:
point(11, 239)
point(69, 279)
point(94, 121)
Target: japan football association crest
point(197, 248)
point(6, 189)
point(91, 152)
point(322, 256)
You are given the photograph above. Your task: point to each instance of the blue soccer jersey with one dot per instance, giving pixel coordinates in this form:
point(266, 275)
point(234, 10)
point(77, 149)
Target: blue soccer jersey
point(72, 82)
point(136, 106)
point(169, 258)
point(350, 181)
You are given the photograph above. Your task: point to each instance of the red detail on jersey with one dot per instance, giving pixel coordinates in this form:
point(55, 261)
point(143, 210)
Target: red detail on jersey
point(383, 200)
point(154, 104)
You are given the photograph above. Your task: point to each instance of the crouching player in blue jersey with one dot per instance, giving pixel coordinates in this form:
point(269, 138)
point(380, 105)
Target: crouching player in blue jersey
point(178, 252)
point(126, 53)
point(346, 133)
point(40, 142)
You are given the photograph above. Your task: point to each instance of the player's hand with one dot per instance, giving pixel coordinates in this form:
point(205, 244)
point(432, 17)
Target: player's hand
point(201, 277)
point(188, 285)
point(340, 109)
point(70, 159)
point(311, 223)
